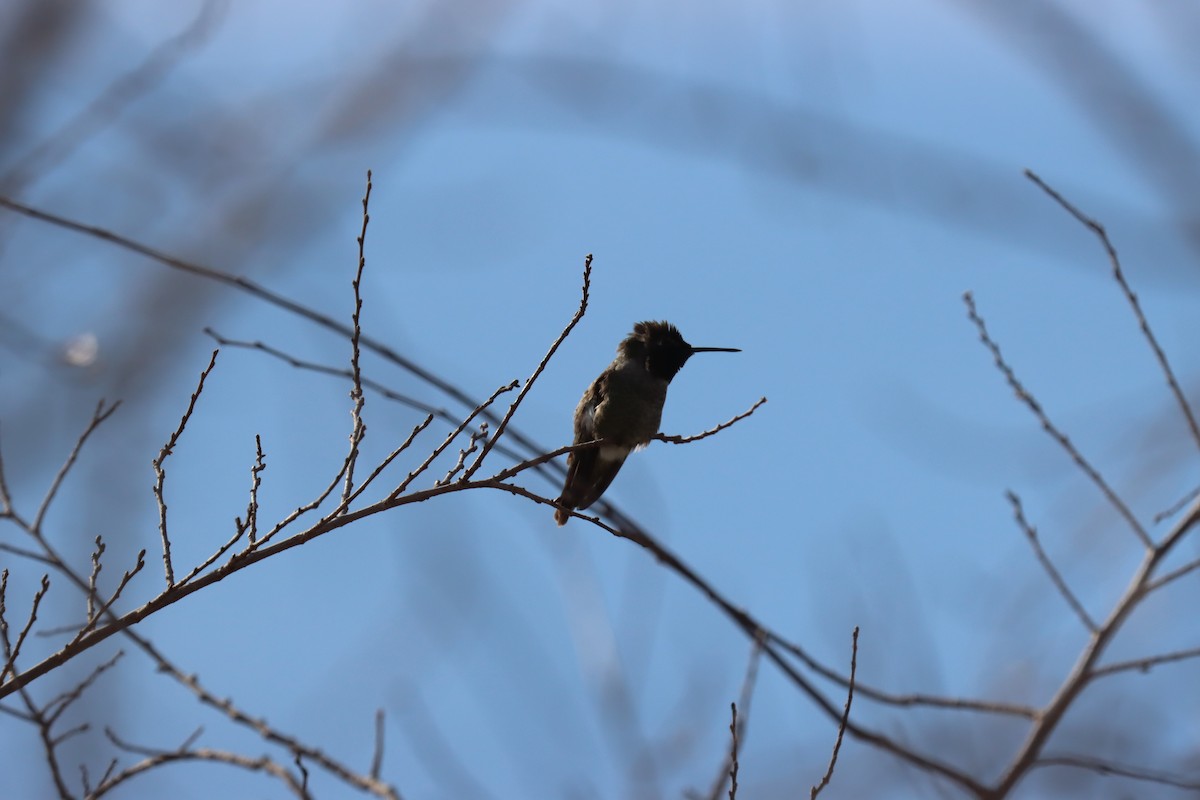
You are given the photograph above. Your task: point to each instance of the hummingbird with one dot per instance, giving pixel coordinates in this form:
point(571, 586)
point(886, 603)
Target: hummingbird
point(623, 408)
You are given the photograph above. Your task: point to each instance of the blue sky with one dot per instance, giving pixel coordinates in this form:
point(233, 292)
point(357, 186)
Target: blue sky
point(817, 185)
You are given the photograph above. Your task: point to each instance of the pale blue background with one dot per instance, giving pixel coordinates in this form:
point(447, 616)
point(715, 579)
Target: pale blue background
point(816, 183)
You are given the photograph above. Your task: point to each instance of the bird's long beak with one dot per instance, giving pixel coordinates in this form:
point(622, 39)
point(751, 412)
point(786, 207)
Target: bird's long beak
point(716, 350)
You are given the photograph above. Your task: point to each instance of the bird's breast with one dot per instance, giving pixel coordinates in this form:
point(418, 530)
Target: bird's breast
point(631, 411)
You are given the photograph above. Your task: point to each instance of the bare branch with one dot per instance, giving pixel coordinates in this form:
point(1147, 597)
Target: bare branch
point(23, 553)
point(472, 446)
point(733, 752)
point(1177, 506)
point(841, 731)
point(260, 726)
point(906, 700)
point(399, 490)
point(377, 756)
point(1098, 229)
point(1107, 767)
point(6, 506)
point(58, 705)
point(154, 757)
point(1034, 406)
point(1085, 665)
point(337, 372)
point(662, 437)
point(95, 619)
point(303, 772)
point(260, 464)
point(91, 579)
point(416, 431)
point(755, 630)
point(358, 399)
point(512, 409)
point(11, 650)
point(1173, 575)
point(98, 416)
point(1044, 560)
point(161, 475)
point(748, 682)
point(279, 301)
point(1145, 664)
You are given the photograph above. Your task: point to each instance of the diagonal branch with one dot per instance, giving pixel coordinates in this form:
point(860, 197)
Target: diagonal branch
point(1031, 402)
point(358, 428)
point(1032, 535)
point(512, 409)
point(98, 416)
point(1119, 274)
point(662, 437)
point(161, 475)
point(841, 731)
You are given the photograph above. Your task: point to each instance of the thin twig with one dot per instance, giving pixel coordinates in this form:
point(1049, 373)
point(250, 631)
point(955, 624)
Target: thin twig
point(265, 295)
point(1084, 668)
point(154, 757)
point(841, 731)
point(263, 729)
point(472, 445)
point(161, 475)
point(337, 372)
point(260, 464)
point(749, 679)
point(1108, 767)
point(11, 650)
point(23, 553)
point(1032, 535)
point(1119, 274)
point(6, 506)
point(1173, 575)
point(303, 771)
point(1145, 664)
point(55, 708)
point(95, 619)
point(674, 439)
point(512, 409)
point(377, 755)
point(1177, 506)
point(96, 567)
point(733, 752)
point(358, 428)
point(416, 431)
point(399, 490)
point(98, 416)
point(915, 699)
point(754, 629)
point(1031, 402)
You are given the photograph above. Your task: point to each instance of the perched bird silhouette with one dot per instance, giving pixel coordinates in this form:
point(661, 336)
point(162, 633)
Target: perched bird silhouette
point(623, 408)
